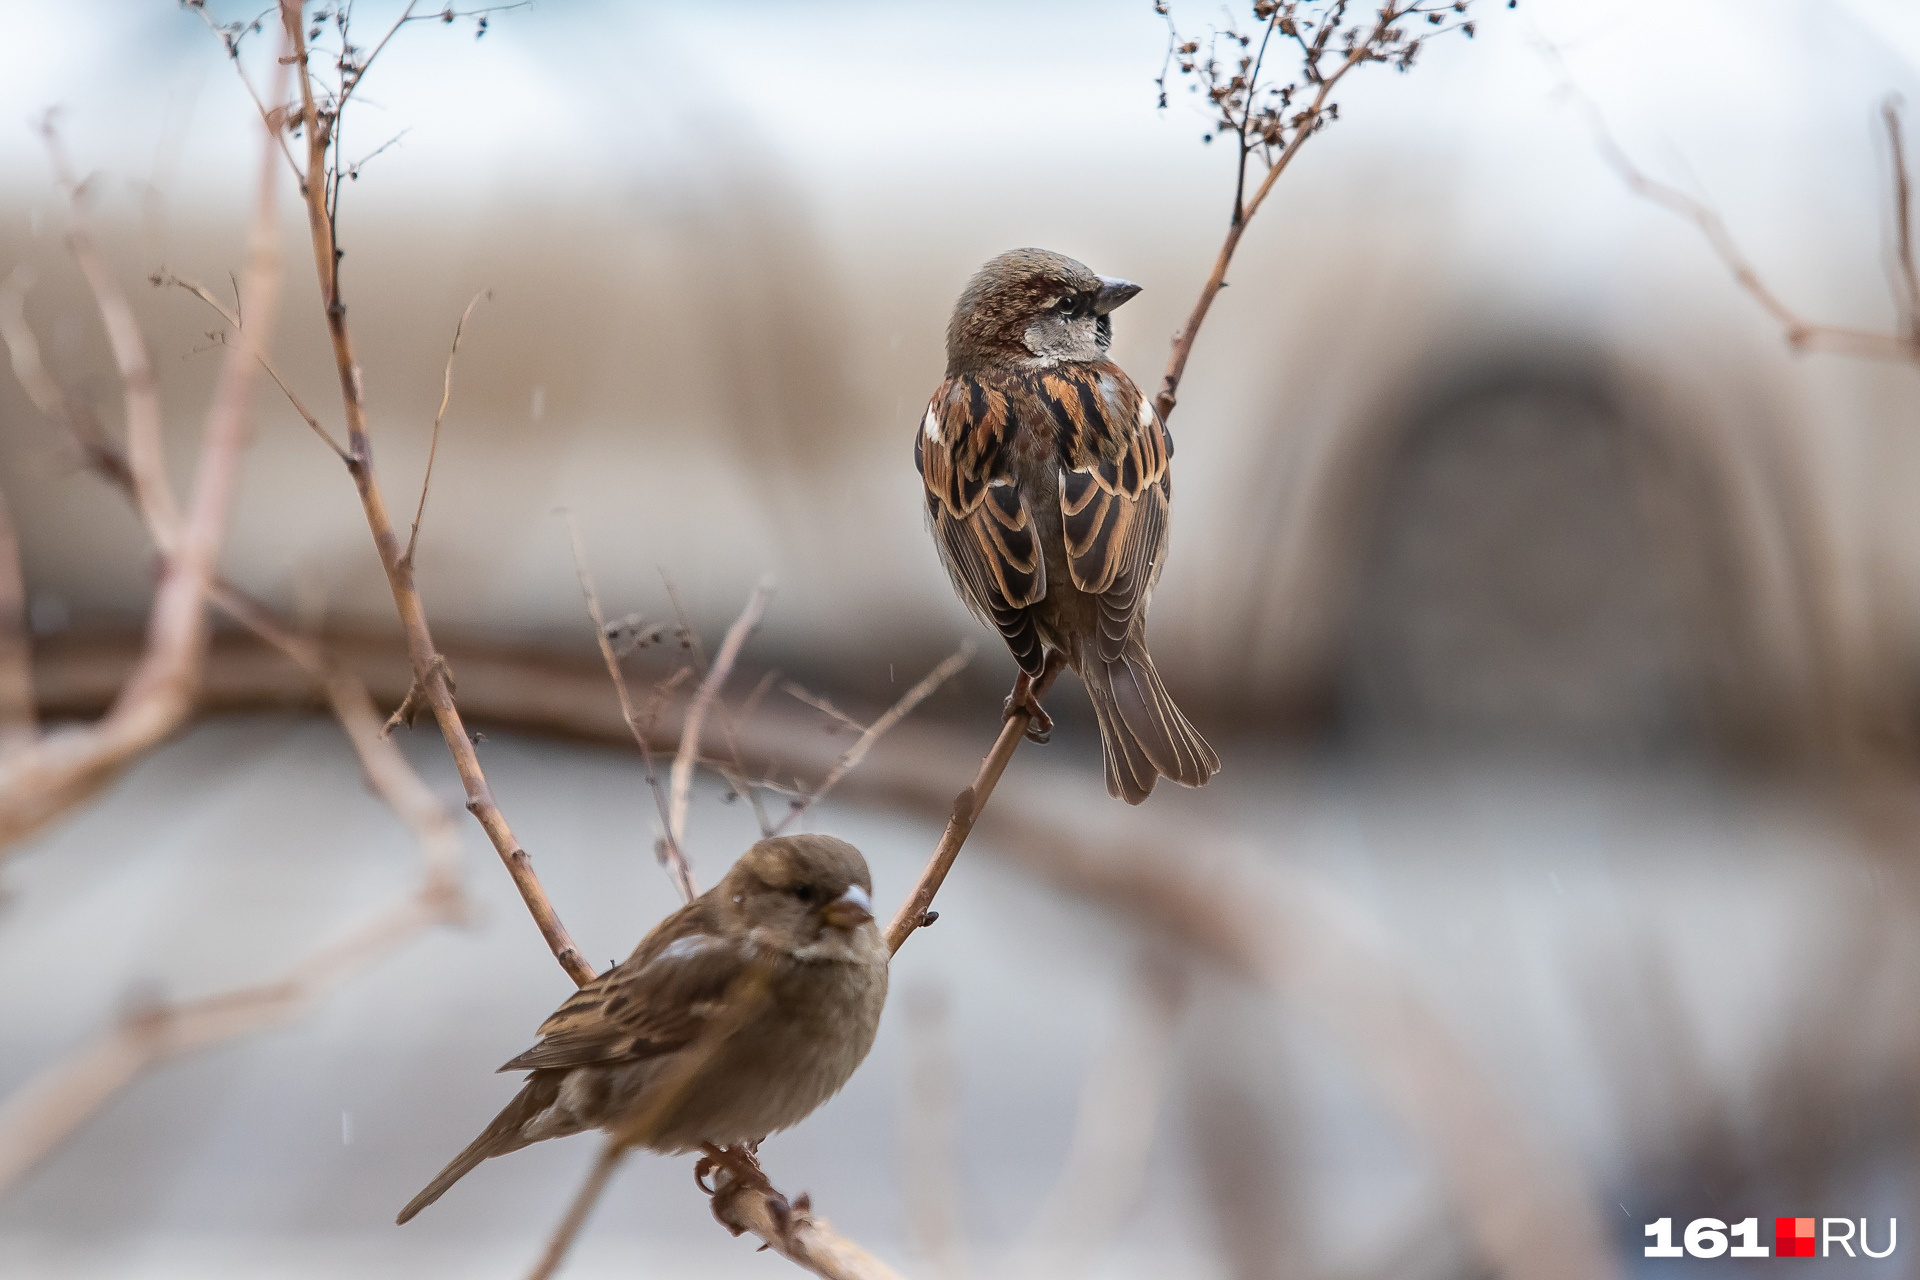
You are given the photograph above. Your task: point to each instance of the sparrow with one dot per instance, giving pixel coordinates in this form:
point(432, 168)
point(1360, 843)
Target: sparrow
point(1048, 495)
point(736, 1017)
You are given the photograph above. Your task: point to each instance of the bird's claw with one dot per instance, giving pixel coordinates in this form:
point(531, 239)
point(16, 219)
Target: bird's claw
point(1039, 723)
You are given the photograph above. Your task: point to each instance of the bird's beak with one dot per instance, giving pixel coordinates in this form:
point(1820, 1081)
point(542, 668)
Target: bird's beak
point(1113, 292)
point(850, 910)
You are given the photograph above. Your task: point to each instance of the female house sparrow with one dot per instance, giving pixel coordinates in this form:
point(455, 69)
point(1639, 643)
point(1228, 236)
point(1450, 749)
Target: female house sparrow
point(1048, 493)
point(737, 1016)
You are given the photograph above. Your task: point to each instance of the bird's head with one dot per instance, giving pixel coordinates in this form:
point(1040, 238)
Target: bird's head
point(1033, 305)
point(806, 890)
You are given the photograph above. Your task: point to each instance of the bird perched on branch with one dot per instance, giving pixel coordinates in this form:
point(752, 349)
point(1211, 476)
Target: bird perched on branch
point(1048, 493)
point(736, 1017)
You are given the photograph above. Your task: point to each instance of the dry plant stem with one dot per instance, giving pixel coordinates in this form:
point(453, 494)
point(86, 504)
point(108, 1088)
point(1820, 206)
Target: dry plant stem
point(431, 681)
point(1244, 209)
point(43, 780)
point(1100, 1182)
point(611, 1154)
point(163, 278)
point(681, 792)
point(145, 454)
point(854, 754)
point(388, 773)
point(19, 724)
point(929, 1127)
point(966, 808)
point(51, 1107)
point(387, 770)
point(1528, 1216)
point(676, 859)
point(1801, 334)
point(743, 1000)
point(446, 394)
point(1906, 287)
point(43, 1112)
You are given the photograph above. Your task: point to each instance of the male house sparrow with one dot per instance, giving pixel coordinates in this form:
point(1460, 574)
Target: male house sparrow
point(737, 1016)
point(1047, 490)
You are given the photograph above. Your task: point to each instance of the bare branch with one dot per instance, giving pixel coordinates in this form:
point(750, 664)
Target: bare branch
point(670, 853)
point(1906, 286)
point(19, 723)
point(743, 1000)
point(800, 693)
point(1266, 124)
point(145, 451)
point(433, 449)
point(432, 682)
point(917, 911)
point(162, 279)
point(854, 754)
point(1527, 1213)
point(688, 754)
point(1801, 334)
point(393, 779)
point(43, 1112)
point(792, 1231)
point(929, 1128)
point(44, 780)
point(1100, 1182)
point(611, 1154)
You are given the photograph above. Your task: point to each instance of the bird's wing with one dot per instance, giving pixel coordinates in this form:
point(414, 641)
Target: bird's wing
point(1115, 489)
point(655, 1001)
point(981, 519)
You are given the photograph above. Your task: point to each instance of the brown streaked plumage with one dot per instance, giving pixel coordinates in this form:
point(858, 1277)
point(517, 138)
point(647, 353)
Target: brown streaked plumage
point(736, 1017)
point(1047, 486)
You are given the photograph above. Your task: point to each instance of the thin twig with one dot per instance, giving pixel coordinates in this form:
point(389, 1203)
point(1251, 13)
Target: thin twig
point(913, 913)
point(800, 693)
point(854, 754)
point(1307, 123)
point(670, 852)
point(55, 773)
point(611, 1154)
point(433, 448)
point(432, 685)
point(42, 1113)
point(929, 1126)
point(162, 279)
point(273, 120)
point(742, 1001)
point(1906, 288)
point(1100, 1182)
point(146, 453)
point(64, 1096)
point(19, 722)
point(684, 759)
point(1801, 334)
point(392, 778)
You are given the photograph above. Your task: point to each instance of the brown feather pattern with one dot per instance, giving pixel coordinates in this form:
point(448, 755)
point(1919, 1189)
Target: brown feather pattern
point(1048, 490)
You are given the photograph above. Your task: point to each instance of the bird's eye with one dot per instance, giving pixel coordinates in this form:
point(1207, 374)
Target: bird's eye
point(1064, 306)
point(805, 893)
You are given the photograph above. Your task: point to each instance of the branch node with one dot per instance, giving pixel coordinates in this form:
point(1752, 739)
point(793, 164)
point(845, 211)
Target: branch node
point(420, 695)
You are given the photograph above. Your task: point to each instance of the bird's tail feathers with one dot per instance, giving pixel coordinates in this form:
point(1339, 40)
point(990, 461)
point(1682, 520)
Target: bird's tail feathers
point(1142, 733)
point(498, 1138)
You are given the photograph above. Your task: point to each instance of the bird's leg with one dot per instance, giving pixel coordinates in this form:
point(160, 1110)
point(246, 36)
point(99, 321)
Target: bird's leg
point(1023, 698)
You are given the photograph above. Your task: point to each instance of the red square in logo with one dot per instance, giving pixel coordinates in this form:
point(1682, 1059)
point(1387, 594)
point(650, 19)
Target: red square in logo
point(1793, 1238)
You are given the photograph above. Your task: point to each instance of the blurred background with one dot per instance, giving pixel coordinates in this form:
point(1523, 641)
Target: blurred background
point(1559, 629)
